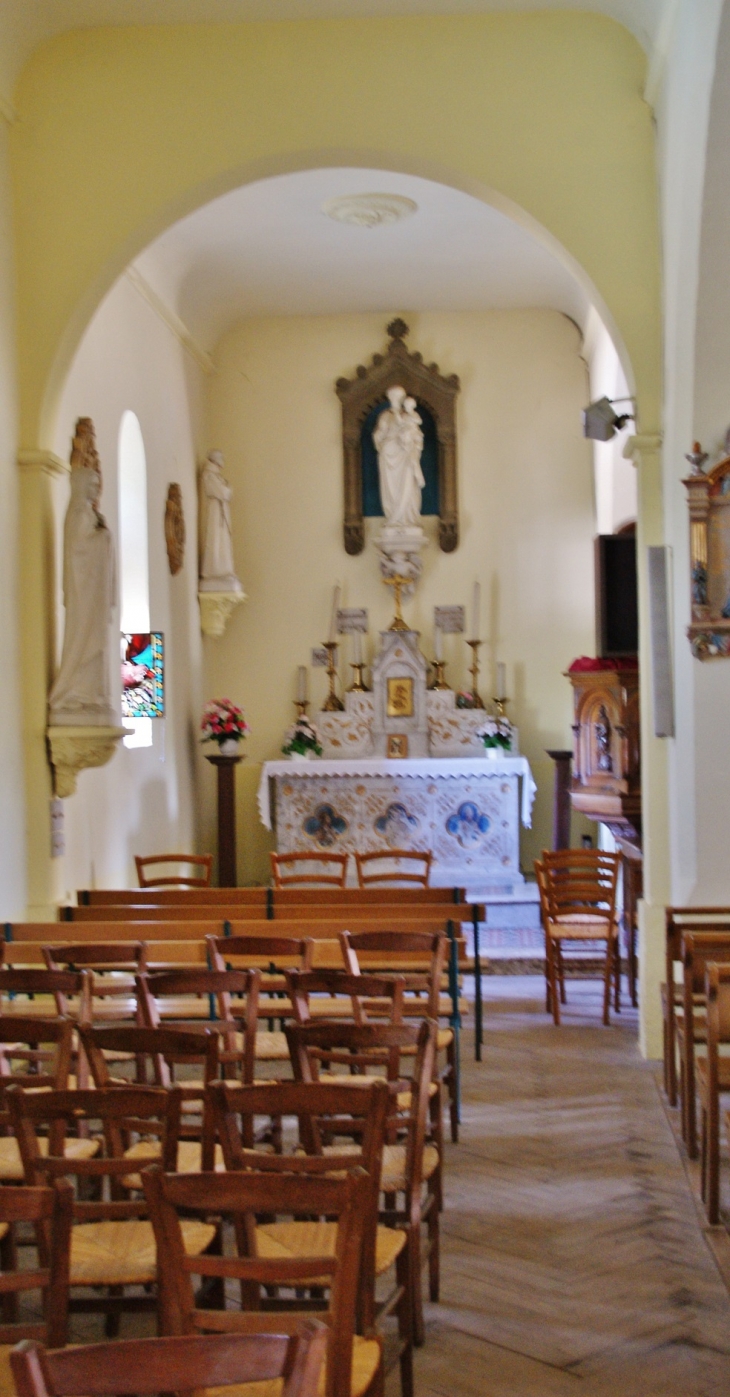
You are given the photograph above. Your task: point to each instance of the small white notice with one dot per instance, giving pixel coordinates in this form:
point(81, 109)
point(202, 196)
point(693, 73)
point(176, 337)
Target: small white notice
point(320, 658)
point(58, 834)
point(449, 619)
point(351, 619)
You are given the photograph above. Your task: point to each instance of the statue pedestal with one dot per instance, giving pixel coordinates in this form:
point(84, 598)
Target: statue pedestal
point(215, 611)
point(226, 819)
point(74, 748)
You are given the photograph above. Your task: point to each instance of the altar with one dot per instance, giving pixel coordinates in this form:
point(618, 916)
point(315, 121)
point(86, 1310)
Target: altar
point(466, 810)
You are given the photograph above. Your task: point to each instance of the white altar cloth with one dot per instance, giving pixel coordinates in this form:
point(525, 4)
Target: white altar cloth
point(407, 766)
point(464, 809)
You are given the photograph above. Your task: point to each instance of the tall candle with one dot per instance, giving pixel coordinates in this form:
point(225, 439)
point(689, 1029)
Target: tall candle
point(501, 680)
point(475, 611)
point(333, 621)
point(438, 644)
point(302, 684)
point(357, 648)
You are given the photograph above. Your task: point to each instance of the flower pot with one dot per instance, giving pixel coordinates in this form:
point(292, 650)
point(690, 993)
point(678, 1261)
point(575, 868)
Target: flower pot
point(229, 748)
point(493, 754)
point(300, 756)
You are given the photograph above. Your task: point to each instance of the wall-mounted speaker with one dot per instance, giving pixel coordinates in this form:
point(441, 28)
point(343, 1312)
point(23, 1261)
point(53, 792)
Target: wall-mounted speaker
point(659, 561)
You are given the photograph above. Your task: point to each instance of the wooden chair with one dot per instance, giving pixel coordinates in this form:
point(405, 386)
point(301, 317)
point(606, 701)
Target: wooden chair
point(578, 904)
point(224, 1000)
point(354, 1362)
point(112, 1242)
point(369, 875)
point(34, 1052)
point(159, 1051)
point(410, 1166)
point(202, 879)
point(699, 948)
point(327, 1112)
point(712, 1078)
point(364, 995)
point(151, 1367)
point(286, 873)
point(272, 956)
point(422, 999)
point(50, 1211)
point(679, 919)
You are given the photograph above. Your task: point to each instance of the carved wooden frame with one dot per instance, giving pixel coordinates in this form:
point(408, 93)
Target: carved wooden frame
point(709, 629)
point(398, 366)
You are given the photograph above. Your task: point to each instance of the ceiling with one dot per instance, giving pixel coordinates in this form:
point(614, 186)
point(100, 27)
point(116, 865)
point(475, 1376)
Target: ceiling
point(268, 249)
point(26, 23)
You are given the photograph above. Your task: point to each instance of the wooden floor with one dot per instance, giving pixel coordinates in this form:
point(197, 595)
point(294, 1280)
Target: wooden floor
point(573, 1257)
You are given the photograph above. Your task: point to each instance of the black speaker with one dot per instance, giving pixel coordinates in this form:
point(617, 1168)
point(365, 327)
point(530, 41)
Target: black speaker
point(617, 612)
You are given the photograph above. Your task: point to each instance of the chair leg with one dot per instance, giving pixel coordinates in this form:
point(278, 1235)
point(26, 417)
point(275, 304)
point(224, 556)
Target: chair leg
point(617, 964)
point(404, 1278)
point(9, 1262)
point(552, 981)
point(414, 1244)
point(434, 1255)
point(711, 1132)
point(690, 1113)
point(607, 984)
point(453, 1079)
point(703, 1154)
point(671, 1057)
point(437, 1133)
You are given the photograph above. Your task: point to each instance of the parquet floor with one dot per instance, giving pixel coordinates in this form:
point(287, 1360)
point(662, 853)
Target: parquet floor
point(573, 1259)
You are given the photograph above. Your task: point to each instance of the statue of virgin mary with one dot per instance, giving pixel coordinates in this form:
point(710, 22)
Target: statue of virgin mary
point(398, 440)
point(81, 693)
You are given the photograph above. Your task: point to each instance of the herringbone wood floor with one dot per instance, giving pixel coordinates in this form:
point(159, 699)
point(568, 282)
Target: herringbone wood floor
point(573, 1259)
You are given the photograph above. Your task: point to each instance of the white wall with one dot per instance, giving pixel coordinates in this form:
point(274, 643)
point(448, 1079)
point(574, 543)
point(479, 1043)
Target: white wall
point(12, 840)
point(614, 477)
point(143, 801)
point(526, 514)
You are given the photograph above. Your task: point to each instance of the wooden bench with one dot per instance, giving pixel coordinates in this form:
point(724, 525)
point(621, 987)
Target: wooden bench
point(678, 920)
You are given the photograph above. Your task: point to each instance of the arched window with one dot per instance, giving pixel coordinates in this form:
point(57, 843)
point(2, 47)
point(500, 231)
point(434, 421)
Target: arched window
point(134, 573)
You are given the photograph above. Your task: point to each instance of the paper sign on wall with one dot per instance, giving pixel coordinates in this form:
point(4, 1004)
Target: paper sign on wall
point(449, 619)
point(320, 658)
point(351, 619)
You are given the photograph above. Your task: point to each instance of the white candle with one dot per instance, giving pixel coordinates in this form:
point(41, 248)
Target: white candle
point(438, 644)
point(501, 680)
point(475, 611)
point(302, 684)
point(357, 648)
point(333, 621)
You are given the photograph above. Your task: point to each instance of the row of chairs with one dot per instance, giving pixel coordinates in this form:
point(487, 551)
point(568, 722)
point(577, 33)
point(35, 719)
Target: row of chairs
point(321, 869)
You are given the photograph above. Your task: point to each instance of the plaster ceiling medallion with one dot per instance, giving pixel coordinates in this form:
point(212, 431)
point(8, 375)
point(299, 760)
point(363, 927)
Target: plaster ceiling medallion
point(369, 210)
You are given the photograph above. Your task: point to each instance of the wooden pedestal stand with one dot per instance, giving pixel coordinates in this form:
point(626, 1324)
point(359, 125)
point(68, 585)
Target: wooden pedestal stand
point(226, 819)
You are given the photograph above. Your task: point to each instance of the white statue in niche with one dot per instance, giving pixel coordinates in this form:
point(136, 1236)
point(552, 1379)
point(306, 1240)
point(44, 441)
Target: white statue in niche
point(81, 694)
point(217, 569)
point(398, 440)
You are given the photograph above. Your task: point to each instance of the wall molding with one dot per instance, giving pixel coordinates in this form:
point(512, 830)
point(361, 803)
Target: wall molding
point(45, 461)
point(169, 318)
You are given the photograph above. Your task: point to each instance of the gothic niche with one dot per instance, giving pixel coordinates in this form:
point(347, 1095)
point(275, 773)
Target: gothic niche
point(363, 398)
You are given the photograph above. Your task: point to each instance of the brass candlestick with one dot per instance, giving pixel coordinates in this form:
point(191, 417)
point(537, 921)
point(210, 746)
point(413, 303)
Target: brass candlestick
point(474, 671)
point(301, 706)
point(398, 582)
point(439, 682)
point(332, 704)
point(500, 705)
point(358, 685)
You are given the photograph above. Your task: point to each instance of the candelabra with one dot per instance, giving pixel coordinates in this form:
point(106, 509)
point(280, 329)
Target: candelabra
point(332, 703)
point(474, 671)
point(358, 685)
point(439, 681)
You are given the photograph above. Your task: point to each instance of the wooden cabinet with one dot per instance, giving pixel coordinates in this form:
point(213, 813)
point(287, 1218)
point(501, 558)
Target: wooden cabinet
point(606, 753)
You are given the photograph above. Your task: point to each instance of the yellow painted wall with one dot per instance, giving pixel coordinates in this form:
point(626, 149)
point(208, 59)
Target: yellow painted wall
point(526, 506)
point(122, 130)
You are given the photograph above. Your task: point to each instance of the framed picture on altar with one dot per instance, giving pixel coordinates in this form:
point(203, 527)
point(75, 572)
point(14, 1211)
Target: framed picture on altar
point(400, 697)
point(397, 744)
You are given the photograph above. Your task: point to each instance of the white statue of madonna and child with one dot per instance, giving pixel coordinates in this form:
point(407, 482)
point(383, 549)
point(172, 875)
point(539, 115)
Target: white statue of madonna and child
point(398, 440)
point(81, 694)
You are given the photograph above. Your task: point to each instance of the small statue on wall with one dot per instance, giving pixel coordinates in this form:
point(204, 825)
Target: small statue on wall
point(81, 693)
point(398, 440)
point(217, 569)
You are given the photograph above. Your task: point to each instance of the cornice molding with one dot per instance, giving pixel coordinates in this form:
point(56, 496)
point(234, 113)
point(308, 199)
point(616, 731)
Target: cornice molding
point(169, 318)
point(45, 461)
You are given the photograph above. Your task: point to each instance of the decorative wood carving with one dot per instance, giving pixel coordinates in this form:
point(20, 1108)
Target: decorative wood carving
point(174, 528)
point(360, 394)
point(709, 534)
point(606, 756)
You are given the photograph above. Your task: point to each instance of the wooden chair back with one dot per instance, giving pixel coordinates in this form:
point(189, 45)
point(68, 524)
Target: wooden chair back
point(201, 879)
point(50, 1211)
point(113, 965)
point(196, 1362)
point(382, 868)
point(230, 998)
point(579, 881)
point(378, 949)
point(367, 995)
point(290, 870)
point(242, 1195)
point(54, 985)
point(42, 1049)
point(272, 955)
point(698, 949)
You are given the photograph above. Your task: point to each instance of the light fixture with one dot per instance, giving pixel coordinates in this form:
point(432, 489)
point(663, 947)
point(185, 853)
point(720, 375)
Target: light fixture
point(369, 210)
point(600, 422)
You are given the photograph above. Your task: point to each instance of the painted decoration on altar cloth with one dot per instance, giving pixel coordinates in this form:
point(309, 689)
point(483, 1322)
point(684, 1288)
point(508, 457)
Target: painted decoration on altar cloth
point(468, 824)
point(143, 675)
point(325, 826)
point(397, 824)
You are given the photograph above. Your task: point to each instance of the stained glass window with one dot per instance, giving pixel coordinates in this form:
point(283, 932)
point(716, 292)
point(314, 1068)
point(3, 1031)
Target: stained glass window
point(143, 675)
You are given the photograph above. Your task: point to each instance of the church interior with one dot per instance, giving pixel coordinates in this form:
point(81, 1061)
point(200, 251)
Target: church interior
point(365, 456)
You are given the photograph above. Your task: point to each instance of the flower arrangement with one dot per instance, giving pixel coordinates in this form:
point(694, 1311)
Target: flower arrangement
point(302, 737)
point(464, 699)
point(223, 721)
point(496, 732)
